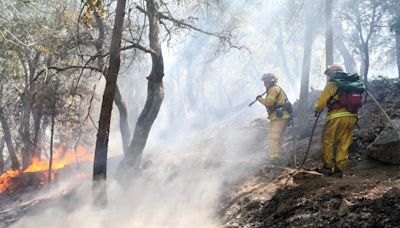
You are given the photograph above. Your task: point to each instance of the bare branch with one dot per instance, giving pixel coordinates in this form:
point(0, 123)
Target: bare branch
point(138, 46)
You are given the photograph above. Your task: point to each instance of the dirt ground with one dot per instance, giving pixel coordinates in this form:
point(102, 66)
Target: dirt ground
point(370, 192)
point(367, 196)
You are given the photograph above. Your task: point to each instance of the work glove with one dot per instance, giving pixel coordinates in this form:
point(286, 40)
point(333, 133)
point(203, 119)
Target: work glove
point(316, 113)
point(258, 97)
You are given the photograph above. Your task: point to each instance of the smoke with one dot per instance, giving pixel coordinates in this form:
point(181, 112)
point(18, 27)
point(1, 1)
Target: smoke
point(182, 188)
point(203, 141)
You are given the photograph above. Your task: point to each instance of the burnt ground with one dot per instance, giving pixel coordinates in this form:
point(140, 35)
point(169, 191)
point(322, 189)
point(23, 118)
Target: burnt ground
point(367, 196)
point(371, 196)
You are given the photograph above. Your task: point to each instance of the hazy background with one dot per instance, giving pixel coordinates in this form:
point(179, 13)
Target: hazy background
point(204, 138)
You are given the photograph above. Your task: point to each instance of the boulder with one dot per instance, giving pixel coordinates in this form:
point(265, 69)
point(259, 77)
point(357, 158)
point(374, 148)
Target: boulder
point(386, 147)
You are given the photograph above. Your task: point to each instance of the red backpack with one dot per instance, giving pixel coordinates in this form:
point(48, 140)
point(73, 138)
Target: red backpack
point(350, 90)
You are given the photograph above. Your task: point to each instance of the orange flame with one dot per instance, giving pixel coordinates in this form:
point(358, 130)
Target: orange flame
point(62, 157)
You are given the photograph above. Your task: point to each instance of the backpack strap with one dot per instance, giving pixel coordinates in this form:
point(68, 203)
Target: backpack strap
point(281, 90)
point(329, 103)
point(286, 99)
point(277, 96)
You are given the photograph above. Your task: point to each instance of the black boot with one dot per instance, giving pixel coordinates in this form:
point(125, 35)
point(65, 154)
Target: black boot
point(326, 171)
point(337, 173)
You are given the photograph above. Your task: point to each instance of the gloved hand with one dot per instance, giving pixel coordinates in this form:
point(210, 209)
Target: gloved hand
point(316, 113)
point(258, 97)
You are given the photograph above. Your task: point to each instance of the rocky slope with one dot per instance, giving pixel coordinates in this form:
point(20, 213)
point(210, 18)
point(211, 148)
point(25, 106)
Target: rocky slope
point(367, 196)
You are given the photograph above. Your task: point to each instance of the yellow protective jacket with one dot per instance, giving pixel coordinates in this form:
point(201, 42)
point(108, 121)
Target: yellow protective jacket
point(322, 102)
point(275, 95)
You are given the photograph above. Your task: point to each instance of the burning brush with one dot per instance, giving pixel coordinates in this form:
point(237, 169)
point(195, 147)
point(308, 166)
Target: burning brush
point(36, 175)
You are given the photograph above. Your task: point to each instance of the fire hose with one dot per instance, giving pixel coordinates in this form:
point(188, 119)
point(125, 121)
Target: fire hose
point(256, 99)
point(384, 113)
point(309, 143)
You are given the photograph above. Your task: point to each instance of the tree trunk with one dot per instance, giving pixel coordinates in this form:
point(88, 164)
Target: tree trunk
point(26, 152)
point(118, 100)
point(1, 155)
point(100, 154)
point(123, 120)
point(37, 122)
point(328, 33)
point(7, 137)
point(364, 62)
point(155, 92)
point(349, 62)
point(305, 73)
point(397, 34)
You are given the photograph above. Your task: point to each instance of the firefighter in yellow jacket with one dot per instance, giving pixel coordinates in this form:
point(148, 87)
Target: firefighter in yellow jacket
point(277, 115)
point(338, 127)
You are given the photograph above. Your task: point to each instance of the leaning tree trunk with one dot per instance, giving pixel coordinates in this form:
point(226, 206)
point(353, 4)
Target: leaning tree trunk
point(155, 92)
point(118, 100)
point(123, 120)
point(349, 62)
point(305, 74)
point(1, 155)
point(100, 154)
point(8, 138)
point(328, 33)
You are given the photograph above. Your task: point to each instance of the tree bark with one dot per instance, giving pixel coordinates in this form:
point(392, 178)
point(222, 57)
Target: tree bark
point(155, 92)
point(305, 72)
point(328, 33)
point(26, 125)
point(123, 120)
point(349, 62)
point(27, 150)
point(1, 155)
point(397, 34)
point(365, 70)
point(118, 100)
point(8, 138)
point(37, 122)
point(100, 154)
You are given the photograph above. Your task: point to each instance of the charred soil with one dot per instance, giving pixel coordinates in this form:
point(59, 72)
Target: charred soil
point(367, 196)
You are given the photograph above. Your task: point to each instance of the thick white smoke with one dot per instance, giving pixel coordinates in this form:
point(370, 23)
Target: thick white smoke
point(182, 188)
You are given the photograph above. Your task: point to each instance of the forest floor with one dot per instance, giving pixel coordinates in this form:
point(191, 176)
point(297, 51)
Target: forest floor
point(367, 196)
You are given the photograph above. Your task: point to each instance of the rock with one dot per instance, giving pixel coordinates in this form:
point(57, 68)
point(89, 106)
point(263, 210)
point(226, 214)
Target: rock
point(386, 147)
point(344, 207)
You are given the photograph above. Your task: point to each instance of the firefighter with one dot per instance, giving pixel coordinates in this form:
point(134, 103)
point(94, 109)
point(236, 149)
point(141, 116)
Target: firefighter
point(338, 128)
point(277, 114)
